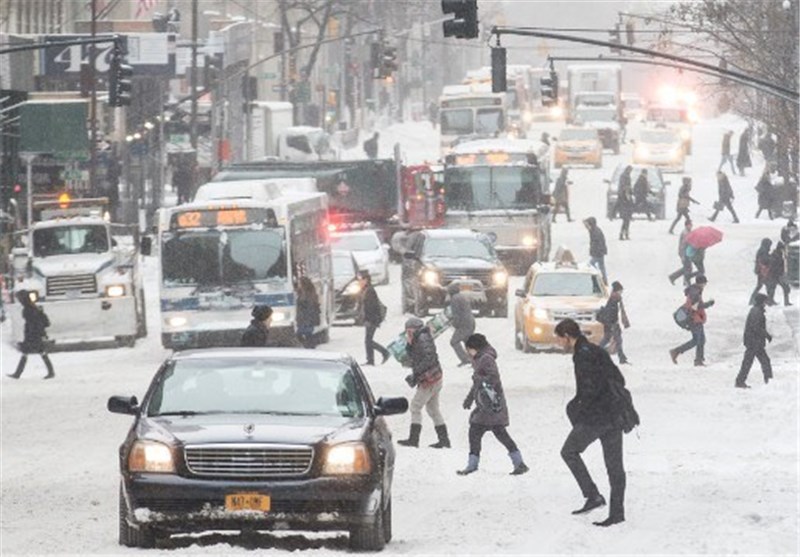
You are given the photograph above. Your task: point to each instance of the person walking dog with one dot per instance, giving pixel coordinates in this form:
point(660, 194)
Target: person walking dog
point(491, 409)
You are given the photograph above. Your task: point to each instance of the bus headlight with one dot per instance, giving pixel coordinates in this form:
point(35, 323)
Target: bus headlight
point(685, 134)
point(115, 290)
point(556, 112)
point(177, 321)
point(500, 278)
point(642, 151)
point(430, 277)
point(150, 456)
point(528, 241)
point(541, 314)
point(347, 458)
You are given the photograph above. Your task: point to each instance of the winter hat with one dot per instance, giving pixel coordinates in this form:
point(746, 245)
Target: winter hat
point(687, 181)
point(453, 289)
point(760, 299)
point(700, 279)
point(591, 221)
point(365, 275)
point(261, 313)
point(414, 323)
point(23, 297)
point(616, 286)
point(476, 341)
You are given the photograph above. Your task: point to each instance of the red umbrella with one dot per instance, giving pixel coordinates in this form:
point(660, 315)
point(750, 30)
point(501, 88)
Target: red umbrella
point(703, 237)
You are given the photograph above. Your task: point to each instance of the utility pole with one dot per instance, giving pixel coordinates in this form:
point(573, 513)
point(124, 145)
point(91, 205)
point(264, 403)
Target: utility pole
point(193, 81)
point(93, 107)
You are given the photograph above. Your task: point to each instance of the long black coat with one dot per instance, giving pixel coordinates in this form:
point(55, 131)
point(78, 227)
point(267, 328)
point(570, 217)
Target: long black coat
point(371, 306)
point(597, 242)
point(743, 156)
point(422, 351)
point(593, 403)
point(755, 328)
point(485, 370)
point(256, 334)
point(724, 189)
point(36, 322)
point(307, 311)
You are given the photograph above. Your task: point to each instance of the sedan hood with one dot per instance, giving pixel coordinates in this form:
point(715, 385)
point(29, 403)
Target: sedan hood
point(368, 257)
point(458, 263)
point(251, 428)
point(568, 303)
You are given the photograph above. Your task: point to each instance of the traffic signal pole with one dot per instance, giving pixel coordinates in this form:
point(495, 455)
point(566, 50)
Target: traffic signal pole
point(93, 108)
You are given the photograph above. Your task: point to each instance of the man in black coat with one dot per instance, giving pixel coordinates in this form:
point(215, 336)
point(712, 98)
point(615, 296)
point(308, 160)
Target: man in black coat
point(426, 377)
point(257, 333)
point(594, 415)
point(36, 322)
point(725, 193)
point(371, 146)
point(373, 317)
point(462, 320)
point(755, 342)
point(597, 246)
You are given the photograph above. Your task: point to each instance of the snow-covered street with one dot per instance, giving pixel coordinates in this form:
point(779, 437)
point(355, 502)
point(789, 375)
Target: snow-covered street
point(711, 470)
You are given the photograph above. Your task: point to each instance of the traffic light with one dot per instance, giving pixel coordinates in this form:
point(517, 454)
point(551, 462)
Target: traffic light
point(212, 73)
point(549, 89)
point(120, 74)
point(388, 61)
point(465, 23)
point(498, 70)
point(375, 57)
point(615, 39)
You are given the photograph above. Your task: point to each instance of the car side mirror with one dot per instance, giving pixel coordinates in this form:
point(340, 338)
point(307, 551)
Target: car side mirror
point(146, 247)
point(391, 406)
point(123, 405)
point(519, 293)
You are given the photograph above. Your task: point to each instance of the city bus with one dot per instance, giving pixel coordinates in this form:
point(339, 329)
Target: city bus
point(501, 187)
point(470, 112)
point(220, 258)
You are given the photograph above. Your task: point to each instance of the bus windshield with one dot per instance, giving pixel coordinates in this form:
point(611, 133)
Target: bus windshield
point(492, 187)
point(489, 120)
point(456, 122)
point(223, 257)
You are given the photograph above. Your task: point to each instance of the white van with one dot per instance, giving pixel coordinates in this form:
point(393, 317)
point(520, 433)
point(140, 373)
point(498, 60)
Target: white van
point(304, 144)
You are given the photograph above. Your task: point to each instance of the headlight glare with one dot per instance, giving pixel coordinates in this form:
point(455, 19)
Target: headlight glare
point(177, 321)
point(685, 134)
point(500, 277)
point(150, 456)
point(348, 458)
point(33, 295)
point(278, 316)
point(430, 277)
point(115, 291)
point(353, 288)
point(540, 314)
point(528, 241)
point(642, 151)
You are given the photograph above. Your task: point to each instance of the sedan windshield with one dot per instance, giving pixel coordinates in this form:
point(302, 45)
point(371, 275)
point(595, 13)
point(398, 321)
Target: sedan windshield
point(355, 242)
point(214, 257)
point(65, 240)
point(567, 284)
point(458, 247)
point(252, 386)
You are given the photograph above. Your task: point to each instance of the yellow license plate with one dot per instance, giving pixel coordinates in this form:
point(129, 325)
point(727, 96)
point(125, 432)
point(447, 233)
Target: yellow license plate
point(247, 502)
point(466, 287)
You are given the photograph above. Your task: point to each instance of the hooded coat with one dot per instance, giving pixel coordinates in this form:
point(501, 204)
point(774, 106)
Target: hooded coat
point(485, 371)
point(424, 359)
point(36, 322)
point(763, 259)
point(256, 334)
point(597, 240)
point(755, 328)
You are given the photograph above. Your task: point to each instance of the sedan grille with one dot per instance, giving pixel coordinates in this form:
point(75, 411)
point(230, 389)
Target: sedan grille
point(483, 275)
point(583, 316)
point(260, 461)
point(61, 285)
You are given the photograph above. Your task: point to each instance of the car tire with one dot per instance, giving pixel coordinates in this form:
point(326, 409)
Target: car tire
point(143, 537)
point(369, 537)
point(420, 309)
point(526, 345)
point(387, 522)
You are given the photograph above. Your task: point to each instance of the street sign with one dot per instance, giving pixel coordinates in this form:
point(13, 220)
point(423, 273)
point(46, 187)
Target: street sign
point(269, 75)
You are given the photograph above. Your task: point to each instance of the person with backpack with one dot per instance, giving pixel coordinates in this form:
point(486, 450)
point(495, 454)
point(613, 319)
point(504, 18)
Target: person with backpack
point(694, 310)
point(601, 409)
point(684, 199)
point(426, 377)
point(374, 314)
point(610, 316)
point(462, 320)
point(36, 323)
point(491, 409)
point(755, 341)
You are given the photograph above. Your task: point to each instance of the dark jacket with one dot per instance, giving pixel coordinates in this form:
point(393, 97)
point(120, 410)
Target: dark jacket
point(641, 189)
point(777, 264)
point(743, 156)
point(763, 259)
point(724, 189)
point(764, 189)
point(371, 147)
point(461, 312)
point(256, 334)
point(593, 403)
point(485, 370)
point(695, 304)
point(307, 311)
point(424, 360)
point(371, 306)
point(36, 322)
point(597, 241)
point(624, 203)
point(726, 143)
point(561, 189)
point(616, 309)
point(685, 197)
point(755, 328)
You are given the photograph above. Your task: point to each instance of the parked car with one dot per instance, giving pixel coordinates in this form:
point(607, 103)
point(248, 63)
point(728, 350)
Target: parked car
point(371, 254)
point(436, 258)
point(347, 288)
point(578, 146)
point(242, 438)
point(662, 147)
point(554, 291)
point(306, 143)
point(656, 198)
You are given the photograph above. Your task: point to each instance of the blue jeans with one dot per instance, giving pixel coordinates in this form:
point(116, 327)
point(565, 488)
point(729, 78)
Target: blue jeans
point(599, 263)
point(698, 341)
point(728, 158)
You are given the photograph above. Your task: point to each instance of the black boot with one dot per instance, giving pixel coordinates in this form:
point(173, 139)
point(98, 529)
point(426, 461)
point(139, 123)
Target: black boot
point(49, 366)
point(610, 521)
point(413, 436)
point(444, 440)
point(20, 367)
point(591, 503)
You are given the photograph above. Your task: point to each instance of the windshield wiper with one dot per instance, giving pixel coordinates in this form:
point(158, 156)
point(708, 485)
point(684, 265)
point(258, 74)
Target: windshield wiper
point(184, 413)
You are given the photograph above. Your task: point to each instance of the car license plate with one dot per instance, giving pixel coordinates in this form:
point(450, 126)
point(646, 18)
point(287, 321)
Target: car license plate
point(247, 502)
point(465, 287)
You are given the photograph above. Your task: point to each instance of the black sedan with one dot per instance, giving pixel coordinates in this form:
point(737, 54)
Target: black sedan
point(257, 439)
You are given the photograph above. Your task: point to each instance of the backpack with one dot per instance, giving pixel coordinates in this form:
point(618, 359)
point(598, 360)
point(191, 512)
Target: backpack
point(683, 317)
point(604, 315)
point(382, 310)
point(627, 416)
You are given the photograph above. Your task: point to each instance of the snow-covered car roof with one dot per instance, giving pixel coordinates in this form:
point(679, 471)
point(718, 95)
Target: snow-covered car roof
point(69, 221)
point(279, 354)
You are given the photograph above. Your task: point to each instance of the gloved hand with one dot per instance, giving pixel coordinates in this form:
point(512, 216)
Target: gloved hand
point(411, 381)
point(467, 404)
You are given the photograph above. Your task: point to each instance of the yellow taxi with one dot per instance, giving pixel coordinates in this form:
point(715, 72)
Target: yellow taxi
point(554, 291)
point(578, 146)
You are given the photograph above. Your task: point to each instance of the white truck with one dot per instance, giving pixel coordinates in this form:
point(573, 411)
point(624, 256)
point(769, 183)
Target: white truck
point(268, 121)
point(595, 100)
point(84, 272)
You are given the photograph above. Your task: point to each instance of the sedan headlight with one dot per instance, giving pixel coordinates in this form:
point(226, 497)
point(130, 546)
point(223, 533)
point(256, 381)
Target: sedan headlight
point(430, 277)
point(675, 153)
point(33, 295)
point(353, 288)
point(115, 291)
point(556, 112)
point(151, 456)
point(348, 458)
point(177, 321)
point(642, 151)
point(541, 314)
point(278, 316)
point(500, 277)
point(685, 134)
point(528, 241)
